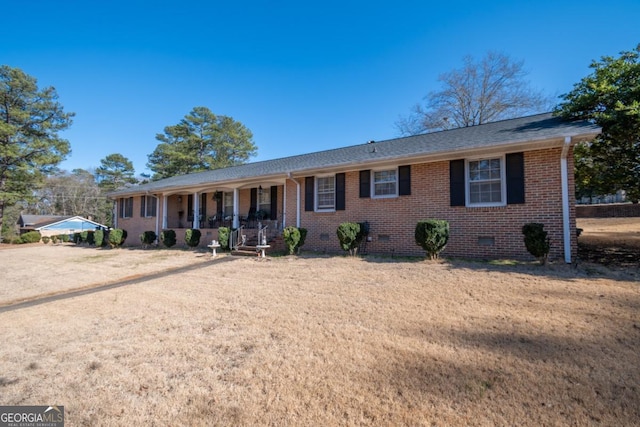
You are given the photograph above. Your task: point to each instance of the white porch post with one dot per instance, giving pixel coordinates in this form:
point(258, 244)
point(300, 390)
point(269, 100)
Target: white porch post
point(196, 210)
point(164, 212)
point(236, 208)
point(284, 205)
point(157, 217)
point(564, 180)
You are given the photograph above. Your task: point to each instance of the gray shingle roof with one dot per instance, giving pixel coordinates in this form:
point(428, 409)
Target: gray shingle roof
point(506, 132)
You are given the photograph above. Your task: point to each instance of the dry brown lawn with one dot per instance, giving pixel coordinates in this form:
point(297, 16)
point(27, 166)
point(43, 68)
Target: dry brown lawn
point(315, 340)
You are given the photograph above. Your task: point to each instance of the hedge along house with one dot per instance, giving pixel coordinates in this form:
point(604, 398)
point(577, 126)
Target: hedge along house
point(486, 180)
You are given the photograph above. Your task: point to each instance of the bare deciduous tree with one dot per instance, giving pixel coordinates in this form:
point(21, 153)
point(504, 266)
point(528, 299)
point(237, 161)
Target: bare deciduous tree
point(491, 89)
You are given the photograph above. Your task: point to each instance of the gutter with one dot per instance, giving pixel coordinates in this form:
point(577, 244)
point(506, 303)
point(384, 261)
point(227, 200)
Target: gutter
point(564, 177)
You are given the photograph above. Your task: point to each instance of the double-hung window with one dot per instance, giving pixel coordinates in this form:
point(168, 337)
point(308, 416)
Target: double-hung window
point(148, 206)
point(486, 182)
point(326, 193)
point(228, 204)
point(385, 183)
point(126, 207)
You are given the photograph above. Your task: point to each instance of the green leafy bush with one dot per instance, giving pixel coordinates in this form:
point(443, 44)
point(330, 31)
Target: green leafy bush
point(31, 237)
point(303, 237)
point(536, 241)
point(64, 237)
point(148, 237)
point(432, 235)
point(54, 239)
point(91, 238)
point(291, 236)
point(192, 237)
point(168, 238)
point(98, 235)
point(350, 235)
point(45, 239)
point(115, 237)
point(223, 237)
point(83, 236)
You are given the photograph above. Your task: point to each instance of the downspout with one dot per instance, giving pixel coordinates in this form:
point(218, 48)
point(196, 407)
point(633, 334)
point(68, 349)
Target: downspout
point(297, 200)
point(564, 177)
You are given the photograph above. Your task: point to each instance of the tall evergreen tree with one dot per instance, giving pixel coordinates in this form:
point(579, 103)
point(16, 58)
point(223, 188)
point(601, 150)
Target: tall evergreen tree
point(201, 141)
point(30, 147)
point(115, 171)
point(610, 97)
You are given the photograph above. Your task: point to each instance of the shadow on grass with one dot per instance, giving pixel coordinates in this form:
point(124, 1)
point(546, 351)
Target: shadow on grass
point(131, 280)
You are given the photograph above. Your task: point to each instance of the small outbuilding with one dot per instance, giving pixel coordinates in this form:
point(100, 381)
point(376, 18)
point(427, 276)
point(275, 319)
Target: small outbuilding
point(49, 225)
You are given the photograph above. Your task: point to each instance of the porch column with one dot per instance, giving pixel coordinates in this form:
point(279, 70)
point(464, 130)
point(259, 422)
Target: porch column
point(284, 205)
point(236, 208)
point(157, 217)
point(164, 212)
point(196, 210)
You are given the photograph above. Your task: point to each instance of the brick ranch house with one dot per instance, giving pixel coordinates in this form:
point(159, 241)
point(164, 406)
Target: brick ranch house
point(486, 180)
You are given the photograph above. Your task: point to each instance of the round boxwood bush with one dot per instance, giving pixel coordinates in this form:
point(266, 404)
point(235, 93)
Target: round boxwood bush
point(45, 239)
point(98, 236)
point(63, 237)
point(148, 237)
point(291, 236)
point(432, 235)
point(350, 235)
point(192, 237)
point(223, 237)
point(31, 237)
point(536, 241)
point(115, 237)
point(168, 238)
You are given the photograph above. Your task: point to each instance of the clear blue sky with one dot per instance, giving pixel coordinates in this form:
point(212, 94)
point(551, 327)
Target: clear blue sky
point(303, 76)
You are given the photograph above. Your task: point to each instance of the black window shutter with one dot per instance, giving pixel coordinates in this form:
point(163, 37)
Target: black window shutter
point(404, 180)
point(274, 202)
point(254, 199)
point(308, 193)
point(190, 208)
point(365, 184)
point(203, 204)
point(515, 178)
point(218, 202)
point(340, 191)
point(456, 182)
point(142, 206)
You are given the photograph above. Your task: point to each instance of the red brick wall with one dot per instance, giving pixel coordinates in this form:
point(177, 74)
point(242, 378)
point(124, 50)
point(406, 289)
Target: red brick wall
point(393, 220)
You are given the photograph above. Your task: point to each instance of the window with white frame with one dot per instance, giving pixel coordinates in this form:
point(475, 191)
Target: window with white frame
point(228, 204)
point(264, 200)
point(485, 182)
point(384, 183)
point(326, 193)
point(148, 206)
point(126, 207)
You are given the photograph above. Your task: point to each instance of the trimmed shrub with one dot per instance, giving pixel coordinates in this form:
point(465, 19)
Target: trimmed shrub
point(432, 235)
point(54, 239)
point(192, 237)
point(148, 238)
point(83, 236)
point(291, 236)
point(303, 237)
point(31, 237)
point(98, 235)
point(91, 238)
point(168, 238)
point(536, 241)
point(45, 239)
point(223, 237)
point(350, 235)
point(64, 237)
point(115, 237)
